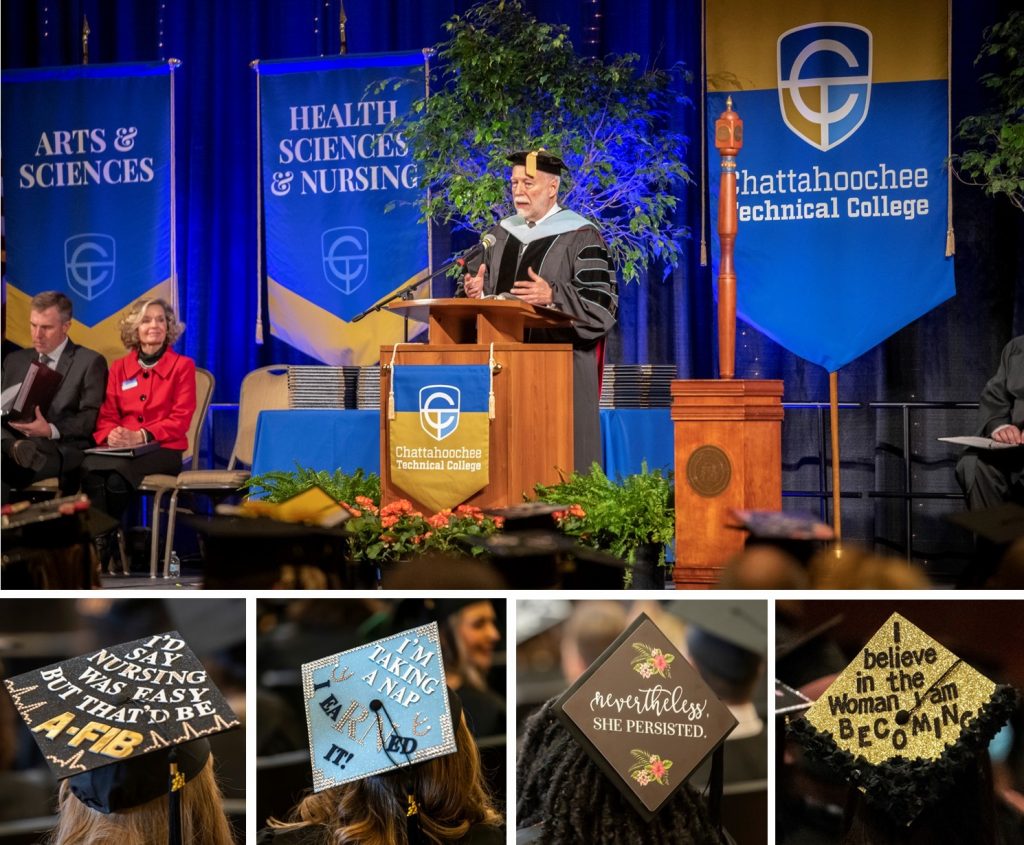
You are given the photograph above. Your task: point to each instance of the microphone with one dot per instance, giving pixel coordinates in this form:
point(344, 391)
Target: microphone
point(376, 704)
point(486, 242)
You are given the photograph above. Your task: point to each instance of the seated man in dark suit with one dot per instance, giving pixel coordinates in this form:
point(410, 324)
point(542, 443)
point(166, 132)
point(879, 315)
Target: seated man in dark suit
point(991, 477)
point(52, 445)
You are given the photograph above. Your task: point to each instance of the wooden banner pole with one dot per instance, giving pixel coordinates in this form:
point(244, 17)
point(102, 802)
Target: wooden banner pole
point(833, 401)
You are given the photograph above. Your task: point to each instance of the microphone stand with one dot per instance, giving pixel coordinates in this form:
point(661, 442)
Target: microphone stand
point(407, 291)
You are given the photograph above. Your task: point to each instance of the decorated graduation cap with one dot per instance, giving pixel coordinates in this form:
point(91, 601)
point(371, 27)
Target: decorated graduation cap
point(378, 708)
point(902, 718)
point(125, 724)
point(539, 159)
point(646, 718)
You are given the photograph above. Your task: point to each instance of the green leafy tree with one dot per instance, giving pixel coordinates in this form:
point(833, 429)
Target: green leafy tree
point(506, 81)
point(994, 158)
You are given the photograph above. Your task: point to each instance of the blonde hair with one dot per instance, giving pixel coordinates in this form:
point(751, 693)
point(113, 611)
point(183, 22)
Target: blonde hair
point(202, 815)
point(132, 319)
point(450, 792)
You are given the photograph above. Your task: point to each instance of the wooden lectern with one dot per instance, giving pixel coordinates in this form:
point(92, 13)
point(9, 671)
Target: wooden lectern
point(728, 432)
point(531, 433)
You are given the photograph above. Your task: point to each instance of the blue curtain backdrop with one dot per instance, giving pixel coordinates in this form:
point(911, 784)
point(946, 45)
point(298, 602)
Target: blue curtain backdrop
point(946, 355)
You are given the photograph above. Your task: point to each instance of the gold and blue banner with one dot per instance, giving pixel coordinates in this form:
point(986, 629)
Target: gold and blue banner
point(439, 435)
point(340, 195)
point(88, 177)
point(842, 185)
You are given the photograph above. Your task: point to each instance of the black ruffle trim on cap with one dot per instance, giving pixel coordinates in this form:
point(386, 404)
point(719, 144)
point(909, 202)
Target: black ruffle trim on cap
point(900, 787)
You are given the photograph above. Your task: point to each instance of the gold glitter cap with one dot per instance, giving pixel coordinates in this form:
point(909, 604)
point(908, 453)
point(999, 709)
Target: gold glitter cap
point(901, 716)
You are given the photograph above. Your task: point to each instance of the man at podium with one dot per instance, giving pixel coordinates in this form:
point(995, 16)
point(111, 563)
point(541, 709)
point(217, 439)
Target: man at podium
point(548, 255)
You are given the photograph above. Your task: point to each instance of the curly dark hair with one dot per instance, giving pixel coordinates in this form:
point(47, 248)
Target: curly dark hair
point(558, 784)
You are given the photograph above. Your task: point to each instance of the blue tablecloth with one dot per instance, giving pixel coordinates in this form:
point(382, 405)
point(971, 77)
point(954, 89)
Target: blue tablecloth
point(316, 439)
point(630, 436)
point(350, 440)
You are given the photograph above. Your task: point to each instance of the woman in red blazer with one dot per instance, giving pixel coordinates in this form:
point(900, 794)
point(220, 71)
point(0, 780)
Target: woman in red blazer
point(151, 397)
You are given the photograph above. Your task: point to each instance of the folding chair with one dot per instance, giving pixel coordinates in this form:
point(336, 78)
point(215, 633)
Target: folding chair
point(262, 390)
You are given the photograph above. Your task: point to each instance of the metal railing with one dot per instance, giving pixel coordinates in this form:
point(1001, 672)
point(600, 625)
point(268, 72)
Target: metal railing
point(908, 495)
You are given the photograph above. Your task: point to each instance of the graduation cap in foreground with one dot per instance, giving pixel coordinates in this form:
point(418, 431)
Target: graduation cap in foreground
point(539, 159)
point(125, 724)
point(903, 717)
point(379, 707)
point(1000, 525)
point(788, 700)
point(726, 639)
point(646, 718)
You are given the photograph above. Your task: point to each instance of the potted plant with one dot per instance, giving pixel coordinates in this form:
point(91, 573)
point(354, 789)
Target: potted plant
point(281, 485)
point(396, 531)
point(634, 520)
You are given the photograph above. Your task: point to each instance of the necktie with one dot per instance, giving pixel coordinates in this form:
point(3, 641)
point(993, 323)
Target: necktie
point(45, 360)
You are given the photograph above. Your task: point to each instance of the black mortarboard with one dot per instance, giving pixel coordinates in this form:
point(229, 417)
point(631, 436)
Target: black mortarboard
point(798, 535)
point(788, 700)
point(646, 717)
point(903, 718)
point(742, 623)
point(123, 720)
point(726, 638)
point(1000, 525)
point(539, 159)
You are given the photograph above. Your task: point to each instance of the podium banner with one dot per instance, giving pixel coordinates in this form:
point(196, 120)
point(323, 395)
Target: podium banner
point(88, 181)
point(340, 195)
point(439, 437)
point(841, 183)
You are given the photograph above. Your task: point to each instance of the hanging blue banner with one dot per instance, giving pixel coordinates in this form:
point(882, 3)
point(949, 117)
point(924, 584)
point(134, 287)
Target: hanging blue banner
point(340, 199)
point(88, 192)
point(841, 183)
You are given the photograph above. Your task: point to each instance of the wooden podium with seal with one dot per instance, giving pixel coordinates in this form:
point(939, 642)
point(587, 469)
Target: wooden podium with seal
point(531, 437)
point(727, 431)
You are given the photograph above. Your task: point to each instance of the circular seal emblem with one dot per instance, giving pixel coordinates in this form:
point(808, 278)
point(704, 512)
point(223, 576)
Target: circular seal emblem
point(708, 470)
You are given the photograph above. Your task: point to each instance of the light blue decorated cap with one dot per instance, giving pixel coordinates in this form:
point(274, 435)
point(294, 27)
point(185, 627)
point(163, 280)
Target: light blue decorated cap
point(378, 707)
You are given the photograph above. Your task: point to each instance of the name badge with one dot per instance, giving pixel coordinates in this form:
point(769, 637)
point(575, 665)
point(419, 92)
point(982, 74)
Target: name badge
point(128, 384)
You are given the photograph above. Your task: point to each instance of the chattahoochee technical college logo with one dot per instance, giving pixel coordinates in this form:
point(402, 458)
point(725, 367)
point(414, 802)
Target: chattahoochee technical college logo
point(825, 81)
point(439, 409)
point(346, 256)
point(89, 262)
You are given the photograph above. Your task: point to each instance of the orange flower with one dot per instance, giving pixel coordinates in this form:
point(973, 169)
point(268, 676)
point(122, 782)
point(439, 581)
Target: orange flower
point(441, 519)
point(387, 538)
point(366, 503)
point(577, 511)
point(386, 521)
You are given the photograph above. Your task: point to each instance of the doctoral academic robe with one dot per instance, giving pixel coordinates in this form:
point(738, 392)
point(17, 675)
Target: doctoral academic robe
point(568, 252)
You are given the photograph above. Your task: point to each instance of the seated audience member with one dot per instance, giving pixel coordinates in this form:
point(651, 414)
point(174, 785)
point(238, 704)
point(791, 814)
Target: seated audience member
point(589, 630)
point(52, 443)
point(151, 397)
point(991, 477)
point(469, 636)
point(127, 802)
point(563, 797)
point(451, 800)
